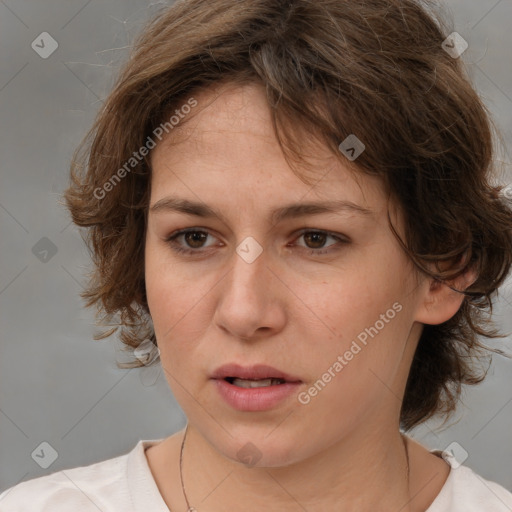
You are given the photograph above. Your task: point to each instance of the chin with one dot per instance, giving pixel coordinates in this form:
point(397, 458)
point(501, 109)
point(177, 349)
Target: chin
point(264, 451)
point(265, 444)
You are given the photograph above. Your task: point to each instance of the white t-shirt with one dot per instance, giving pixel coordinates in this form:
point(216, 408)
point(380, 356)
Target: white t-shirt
point(126, 484)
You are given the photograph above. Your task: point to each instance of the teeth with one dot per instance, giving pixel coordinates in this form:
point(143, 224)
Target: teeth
point(243, 383)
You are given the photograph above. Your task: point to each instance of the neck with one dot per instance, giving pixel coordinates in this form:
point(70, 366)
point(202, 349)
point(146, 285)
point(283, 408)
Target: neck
point(355, 479)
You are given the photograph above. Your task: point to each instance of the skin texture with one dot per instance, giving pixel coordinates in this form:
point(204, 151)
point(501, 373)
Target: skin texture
point(292, 308)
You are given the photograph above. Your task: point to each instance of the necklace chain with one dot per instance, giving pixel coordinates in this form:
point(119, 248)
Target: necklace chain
point(192, 509)
point(189, 508)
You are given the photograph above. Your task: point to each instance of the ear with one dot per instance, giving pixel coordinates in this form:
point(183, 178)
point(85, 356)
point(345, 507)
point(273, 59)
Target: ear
point(441, 301)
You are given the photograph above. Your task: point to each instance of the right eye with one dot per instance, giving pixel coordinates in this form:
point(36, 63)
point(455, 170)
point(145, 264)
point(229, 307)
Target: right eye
point(193, 237)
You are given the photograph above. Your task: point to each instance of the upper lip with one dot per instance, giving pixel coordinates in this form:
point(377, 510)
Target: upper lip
point(258, 371)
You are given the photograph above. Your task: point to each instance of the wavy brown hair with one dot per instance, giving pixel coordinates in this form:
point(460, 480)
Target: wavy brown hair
point(330, 68)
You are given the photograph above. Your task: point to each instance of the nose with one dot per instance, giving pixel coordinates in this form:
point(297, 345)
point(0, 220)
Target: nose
point(251, 300)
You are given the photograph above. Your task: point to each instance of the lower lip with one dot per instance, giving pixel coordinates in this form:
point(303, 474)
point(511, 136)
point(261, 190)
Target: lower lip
point(255, 399)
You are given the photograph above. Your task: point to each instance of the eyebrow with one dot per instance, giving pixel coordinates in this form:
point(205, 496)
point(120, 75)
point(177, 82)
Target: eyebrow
point(285, 212)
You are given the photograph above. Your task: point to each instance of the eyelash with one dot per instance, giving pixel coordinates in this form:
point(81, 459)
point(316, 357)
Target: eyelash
point(314, 252)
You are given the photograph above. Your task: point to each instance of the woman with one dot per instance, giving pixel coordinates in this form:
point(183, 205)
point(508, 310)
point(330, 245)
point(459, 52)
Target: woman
point(293, 202)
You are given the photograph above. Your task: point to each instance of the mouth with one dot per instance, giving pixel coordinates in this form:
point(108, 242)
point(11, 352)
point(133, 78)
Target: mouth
point(254, 383)
point(254, 388)
point(256, 376)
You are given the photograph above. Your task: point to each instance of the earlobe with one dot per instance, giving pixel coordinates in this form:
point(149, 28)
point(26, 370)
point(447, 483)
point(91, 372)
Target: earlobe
point(442, 300)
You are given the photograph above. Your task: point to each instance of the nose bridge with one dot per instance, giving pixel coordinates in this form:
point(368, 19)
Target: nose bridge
point(249, 267)
point(247, 301)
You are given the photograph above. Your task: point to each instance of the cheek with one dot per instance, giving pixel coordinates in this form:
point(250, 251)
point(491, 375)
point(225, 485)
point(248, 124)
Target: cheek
point(359, 315)
point(178, 303)
point(167, 292)
point(358, 372)
point(346, 303)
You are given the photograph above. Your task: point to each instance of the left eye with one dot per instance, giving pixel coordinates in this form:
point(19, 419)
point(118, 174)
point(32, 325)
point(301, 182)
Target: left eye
point(194, 238)
point(318, 239)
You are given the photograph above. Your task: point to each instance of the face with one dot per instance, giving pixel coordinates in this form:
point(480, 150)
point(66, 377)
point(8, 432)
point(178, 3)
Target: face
point(327, 298)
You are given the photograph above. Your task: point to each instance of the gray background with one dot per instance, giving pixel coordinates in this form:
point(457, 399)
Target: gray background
point(59, 386)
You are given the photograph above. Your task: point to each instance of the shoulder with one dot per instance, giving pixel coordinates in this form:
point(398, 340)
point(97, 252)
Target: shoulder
point(466, 491)
point(88, 488)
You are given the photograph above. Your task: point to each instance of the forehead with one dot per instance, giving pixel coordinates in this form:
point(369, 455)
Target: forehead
point(228, 118)
point(227, 144)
